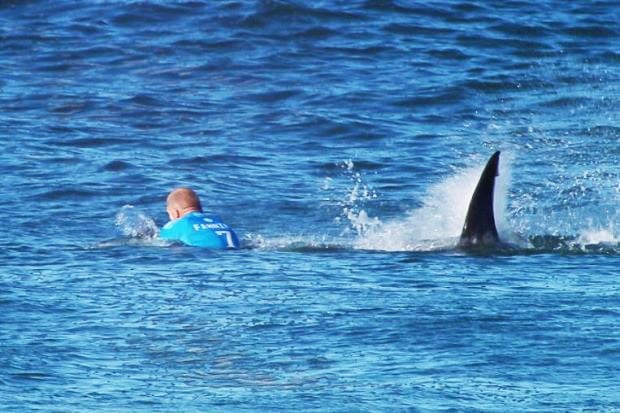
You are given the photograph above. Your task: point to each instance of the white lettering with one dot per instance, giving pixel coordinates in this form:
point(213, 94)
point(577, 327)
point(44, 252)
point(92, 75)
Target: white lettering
point(229, 238)
point(216, 225)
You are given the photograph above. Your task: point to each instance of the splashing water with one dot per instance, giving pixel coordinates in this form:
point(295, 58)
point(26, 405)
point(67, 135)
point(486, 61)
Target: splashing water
point(438, 223)
point(598, 236)
point(358, 194)
point(133, 223)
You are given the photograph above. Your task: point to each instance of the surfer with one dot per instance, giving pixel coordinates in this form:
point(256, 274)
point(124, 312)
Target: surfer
point(190, 225)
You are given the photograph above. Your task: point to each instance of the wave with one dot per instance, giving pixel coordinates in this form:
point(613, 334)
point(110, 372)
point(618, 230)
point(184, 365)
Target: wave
point(436, 225)
point(535, 244)
point(589, 242)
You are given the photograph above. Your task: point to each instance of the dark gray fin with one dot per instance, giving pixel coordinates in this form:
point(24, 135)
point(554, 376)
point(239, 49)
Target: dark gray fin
point(479, 229)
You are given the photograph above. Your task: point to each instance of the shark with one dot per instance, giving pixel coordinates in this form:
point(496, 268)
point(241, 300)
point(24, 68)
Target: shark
point(479, 229)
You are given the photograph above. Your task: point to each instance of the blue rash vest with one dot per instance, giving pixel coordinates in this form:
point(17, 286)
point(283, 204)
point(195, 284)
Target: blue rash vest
point(200, 230)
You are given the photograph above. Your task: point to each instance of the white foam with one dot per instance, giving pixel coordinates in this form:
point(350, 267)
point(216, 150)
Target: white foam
point(133, 223)
point(598, 236)
point(439, 222)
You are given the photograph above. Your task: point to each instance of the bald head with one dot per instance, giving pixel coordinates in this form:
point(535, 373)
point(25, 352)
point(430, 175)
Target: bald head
point(182, 201)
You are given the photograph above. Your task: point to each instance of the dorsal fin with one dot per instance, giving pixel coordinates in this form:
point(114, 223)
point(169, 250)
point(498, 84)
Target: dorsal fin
point(479, 228)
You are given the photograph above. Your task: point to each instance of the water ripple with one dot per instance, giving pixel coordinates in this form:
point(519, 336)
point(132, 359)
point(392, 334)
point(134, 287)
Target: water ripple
point(341, 140)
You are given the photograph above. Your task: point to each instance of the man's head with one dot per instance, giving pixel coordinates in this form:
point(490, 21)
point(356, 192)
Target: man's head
point(182, 201)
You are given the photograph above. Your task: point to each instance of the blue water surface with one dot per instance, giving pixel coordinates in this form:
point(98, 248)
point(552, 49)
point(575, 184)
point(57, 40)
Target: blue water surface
point(342, 141)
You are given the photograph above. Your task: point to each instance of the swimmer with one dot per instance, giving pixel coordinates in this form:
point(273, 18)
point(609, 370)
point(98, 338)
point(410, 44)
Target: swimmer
point(190, 225)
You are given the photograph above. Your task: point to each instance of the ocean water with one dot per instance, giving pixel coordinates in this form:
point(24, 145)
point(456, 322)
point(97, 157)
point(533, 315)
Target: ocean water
point(342, 140)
